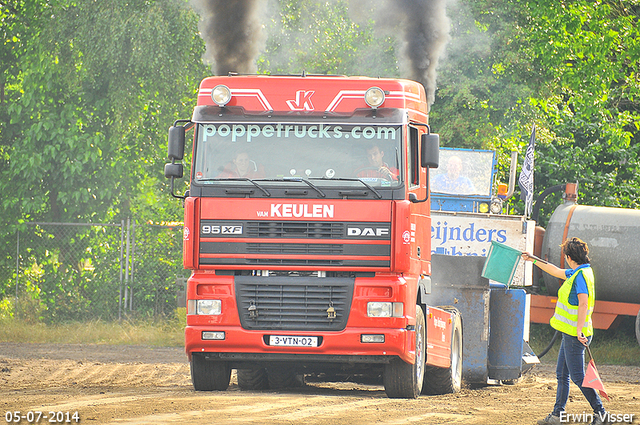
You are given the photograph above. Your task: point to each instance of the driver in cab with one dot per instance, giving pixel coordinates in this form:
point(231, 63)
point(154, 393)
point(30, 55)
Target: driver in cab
point(377, 167)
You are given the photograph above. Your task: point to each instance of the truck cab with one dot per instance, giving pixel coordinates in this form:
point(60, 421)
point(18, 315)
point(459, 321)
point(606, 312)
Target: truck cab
point(307, 229)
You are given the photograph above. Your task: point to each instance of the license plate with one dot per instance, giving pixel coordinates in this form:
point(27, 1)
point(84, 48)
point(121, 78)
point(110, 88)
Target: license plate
point(293, 341)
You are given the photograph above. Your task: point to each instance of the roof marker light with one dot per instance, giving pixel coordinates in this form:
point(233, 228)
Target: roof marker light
point(221, 95)
point(374, 97)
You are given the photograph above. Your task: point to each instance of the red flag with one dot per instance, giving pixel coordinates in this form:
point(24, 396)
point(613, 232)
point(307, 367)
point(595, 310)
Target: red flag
point(592, 378)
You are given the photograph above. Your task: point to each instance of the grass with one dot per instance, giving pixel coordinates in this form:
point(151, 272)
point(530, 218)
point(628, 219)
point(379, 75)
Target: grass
point(614, 346)
point(165, 333)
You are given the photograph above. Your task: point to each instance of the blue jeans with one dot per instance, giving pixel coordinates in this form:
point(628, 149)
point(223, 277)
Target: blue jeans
point(571, 364)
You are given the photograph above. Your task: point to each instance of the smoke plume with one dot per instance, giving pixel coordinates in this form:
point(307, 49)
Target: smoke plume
point(232, 31)
point(424, 28)
point(426, 32)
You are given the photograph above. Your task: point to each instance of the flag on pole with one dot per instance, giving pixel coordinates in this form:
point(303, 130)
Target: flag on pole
point(526, 175)
point(592, 377)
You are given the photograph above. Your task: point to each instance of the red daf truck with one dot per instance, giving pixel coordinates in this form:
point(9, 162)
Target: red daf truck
point(308, 229)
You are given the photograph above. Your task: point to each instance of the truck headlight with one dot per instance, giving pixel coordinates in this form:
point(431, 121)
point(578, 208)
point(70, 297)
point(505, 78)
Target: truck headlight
point(205, 307)
point(221, 95)
point(384, 309)
point(374, 97)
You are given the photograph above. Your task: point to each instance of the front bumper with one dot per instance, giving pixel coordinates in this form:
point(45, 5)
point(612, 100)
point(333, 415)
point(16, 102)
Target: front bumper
point(345, 346)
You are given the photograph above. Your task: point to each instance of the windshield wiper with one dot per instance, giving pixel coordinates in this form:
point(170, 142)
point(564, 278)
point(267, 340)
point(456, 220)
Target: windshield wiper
point(344, 179)
point(297, 179)
point(242, 179)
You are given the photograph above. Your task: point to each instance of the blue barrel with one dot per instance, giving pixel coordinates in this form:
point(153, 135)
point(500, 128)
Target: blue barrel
point(506, 345)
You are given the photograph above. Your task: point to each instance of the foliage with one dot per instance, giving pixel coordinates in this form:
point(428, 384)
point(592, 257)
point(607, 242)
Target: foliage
point(167, 331)
point(590, 60)
point(92, 91)
point(570, 67)
point(91, 120)
point(319, 37)
point(88, 89)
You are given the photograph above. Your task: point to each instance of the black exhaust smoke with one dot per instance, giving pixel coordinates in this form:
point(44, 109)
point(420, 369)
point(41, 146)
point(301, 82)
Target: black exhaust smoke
point(423, 26)
point(232, 31)
point(426, 32)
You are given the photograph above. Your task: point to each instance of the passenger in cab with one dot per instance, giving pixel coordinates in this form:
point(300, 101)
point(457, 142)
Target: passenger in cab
point(242, 166)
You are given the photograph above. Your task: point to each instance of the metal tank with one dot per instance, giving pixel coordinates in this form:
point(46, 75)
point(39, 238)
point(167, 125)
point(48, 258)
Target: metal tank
point(613, 237)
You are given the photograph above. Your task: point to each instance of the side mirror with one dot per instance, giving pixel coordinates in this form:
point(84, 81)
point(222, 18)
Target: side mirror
point(430, 150)
point(173, 171)
point(430, 158)
point(175, 147)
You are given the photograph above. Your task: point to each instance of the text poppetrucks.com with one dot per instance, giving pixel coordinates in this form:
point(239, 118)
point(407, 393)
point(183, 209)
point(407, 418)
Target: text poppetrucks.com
point(614, 418)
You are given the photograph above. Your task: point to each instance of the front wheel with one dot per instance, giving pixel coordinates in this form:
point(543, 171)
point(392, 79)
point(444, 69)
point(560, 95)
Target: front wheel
point(404, 380)
point(209, 375)
point(447, 380)
point(253, 379)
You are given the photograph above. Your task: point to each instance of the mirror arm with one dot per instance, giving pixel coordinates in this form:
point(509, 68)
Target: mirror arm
point(187, 124)
point(173, 188)
point(172, 191)
point(414, 199)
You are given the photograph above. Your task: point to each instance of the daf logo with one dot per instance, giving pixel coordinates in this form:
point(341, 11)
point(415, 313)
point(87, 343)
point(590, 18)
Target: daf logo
point(379, 232)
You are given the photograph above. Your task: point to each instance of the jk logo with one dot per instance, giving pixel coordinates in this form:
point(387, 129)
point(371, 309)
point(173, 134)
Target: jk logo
point(302, 102)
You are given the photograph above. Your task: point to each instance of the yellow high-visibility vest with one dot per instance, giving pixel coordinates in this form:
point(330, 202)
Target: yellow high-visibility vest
point(565, 317)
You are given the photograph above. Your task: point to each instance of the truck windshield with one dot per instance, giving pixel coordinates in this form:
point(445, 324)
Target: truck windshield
point(325, 153)
point(463, 172)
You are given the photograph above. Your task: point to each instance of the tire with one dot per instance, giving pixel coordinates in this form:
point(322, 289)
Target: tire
point(282, 376)
point(253, 379)
point(209, 375)
point(404, 380)
point(638, 327)
point(447, 380)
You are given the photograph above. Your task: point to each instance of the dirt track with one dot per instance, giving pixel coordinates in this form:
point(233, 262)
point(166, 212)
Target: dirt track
point(144, 385)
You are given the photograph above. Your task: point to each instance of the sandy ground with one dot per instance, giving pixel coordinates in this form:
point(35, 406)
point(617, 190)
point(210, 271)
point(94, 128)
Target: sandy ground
point(147, 385)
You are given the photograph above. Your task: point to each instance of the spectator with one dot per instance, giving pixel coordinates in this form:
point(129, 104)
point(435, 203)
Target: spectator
point(452, 181)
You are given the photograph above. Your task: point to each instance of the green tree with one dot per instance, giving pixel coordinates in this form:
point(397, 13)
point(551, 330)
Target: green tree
point(97, 87)
point(570, 67)
point(590, 63)
point(320, 37)
point(20, 23)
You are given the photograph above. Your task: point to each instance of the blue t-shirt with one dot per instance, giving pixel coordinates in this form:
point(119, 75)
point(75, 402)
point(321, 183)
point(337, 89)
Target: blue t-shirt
point(460, 185)
point(579, 284)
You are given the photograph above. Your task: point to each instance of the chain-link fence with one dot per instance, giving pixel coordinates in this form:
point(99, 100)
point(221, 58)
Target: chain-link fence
point(103, 271)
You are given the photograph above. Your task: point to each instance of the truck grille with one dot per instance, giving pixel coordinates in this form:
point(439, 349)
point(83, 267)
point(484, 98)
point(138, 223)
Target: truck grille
point(294, 229)
point(294, 248)
point(315, 244)
point(293, 303)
